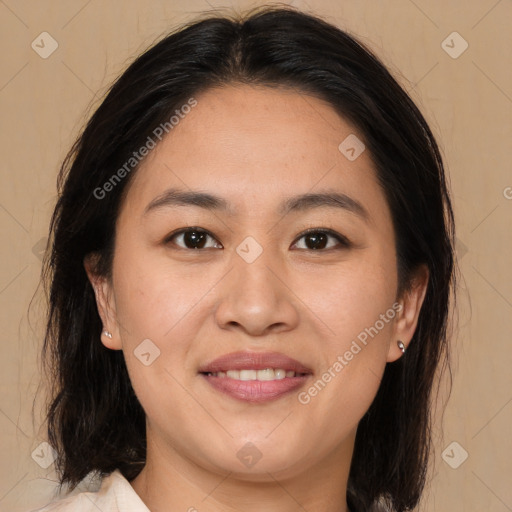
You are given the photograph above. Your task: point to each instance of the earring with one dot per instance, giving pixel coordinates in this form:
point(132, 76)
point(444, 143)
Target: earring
point(107, 334)
point(401, 346)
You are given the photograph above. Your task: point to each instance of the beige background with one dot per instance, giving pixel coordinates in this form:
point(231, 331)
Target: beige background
point(468, 102)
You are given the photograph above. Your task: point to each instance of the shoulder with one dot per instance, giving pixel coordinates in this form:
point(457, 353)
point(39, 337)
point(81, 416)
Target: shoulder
point(115, 494)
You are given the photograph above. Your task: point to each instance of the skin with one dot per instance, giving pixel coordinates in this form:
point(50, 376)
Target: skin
point(254, 147)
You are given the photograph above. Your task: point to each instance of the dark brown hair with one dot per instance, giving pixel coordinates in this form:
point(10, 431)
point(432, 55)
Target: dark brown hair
point(95, 421)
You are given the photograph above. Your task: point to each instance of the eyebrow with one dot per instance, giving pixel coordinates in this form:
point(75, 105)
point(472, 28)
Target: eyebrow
point(303, 202)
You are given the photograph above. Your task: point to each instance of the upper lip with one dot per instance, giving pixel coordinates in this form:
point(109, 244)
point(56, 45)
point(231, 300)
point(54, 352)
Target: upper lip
point(253, 361)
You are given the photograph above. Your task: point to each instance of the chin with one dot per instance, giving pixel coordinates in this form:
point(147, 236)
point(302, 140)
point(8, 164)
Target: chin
point(254, 461)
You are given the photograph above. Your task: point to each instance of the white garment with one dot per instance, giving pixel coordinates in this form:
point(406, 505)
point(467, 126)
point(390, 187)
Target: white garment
point(115, 495)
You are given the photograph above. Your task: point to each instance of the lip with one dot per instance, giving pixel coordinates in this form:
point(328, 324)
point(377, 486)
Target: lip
point(255, 391)
point(254, 361)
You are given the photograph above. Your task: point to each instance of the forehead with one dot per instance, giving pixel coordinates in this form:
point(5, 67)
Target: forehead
point(255, 145)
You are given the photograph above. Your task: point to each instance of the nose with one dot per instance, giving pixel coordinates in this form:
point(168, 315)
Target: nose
point(256, 299)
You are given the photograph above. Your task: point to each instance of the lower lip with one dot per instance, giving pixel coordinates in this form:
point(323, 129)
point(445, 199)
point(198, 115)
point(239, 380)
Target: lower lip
point(256, 391)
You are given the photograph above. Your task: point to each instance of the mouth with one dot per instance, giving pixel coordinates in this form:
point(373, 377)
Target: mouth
point(255, 376)
point(266, 374)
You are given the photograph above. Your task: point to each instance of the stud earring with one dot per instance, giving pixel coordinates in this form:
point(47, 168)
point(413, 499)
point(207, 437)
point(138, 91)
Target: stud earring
point(401, 346)
point(107, 334)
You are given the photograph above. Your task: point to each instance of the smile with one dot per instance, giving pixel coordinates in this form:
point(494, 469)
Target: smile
point(262, 375)
point(255, 376)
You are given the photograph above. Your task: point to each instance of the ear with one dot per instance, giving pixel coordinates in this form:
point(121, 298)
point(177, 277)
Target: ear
point(104, 302)
point(408, 313)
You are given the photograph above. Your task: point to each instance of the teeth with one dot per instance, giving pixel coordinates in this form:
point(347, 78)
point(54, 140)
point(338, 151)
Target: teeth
point(266, 374)
point(280, 374)
point(247, 374)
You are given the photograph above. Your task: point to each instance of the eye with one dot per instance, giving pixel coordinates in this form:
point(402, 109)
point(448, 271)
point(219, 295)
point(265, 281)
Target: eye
point(318, 238)
point(193, 238)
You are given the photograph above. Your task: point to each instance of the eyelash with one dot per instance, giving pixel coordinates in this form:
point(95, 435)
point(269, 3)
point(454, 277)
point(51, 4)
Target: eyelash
point(343, 241)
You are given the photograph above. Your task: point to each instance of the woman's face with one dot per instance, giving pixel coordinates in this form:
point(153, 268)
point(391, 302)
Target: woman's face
point(256, 285)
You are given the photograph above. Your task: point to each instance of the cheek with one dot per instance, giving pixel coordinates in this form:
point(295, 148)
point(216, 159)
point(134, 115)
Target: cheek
point(356, 304)
point(358, 310)
point(165, 303)
point(152, 295)
point(155, 310)
point(352, 297)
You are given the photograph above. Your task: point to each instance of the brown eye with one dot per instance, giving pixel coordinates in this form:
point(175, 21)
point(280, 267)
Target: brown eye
point(317, 239)
point(193, 238)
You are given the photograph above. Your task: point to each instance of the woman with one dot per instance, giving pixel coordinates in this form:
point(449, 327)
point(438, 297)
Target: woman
point(250, 279)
